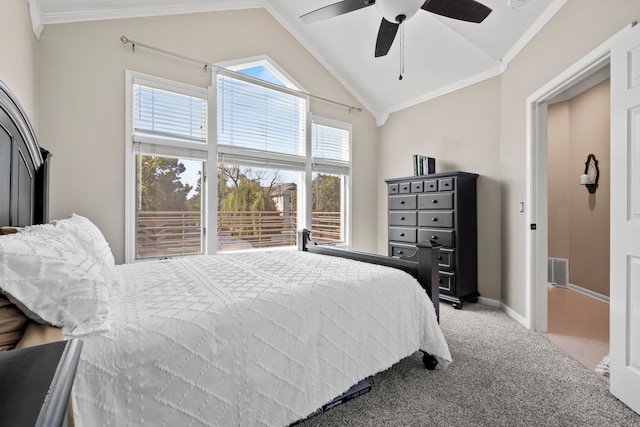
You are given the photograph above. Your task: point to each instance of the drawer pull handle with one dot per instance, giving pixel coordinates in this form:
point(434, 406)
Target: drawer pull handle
point(435, 201)
point(439, 258)
point(400, 252)
point(434, 219)
point(401, 234)
point(439, 280)
point(405, 188)
point(401, 218)
point(446, 184)
point(402, 202)
point(434, 237)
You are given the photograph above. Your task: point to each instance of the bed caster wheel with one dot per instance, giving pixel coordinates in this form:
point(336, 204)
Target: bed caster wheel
point(429, 361)
point(457, 305)
point(473, 300)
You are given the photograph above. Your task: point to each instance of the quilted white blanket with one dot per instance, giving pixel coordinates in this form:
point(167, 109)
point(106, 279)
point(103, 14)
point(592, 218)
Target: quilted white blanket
point(247, 339)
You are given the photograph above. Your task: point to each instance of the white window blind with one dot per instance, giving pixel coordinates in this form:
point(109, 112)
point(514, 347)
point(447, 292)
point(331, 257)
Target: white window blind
point(330, 147)
point(257, 117)
point(163, 113)
point(330, 143)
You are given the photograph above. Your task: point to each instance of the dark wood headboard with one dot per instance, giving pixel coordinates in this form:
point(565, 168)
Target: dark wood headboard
point(24, 167)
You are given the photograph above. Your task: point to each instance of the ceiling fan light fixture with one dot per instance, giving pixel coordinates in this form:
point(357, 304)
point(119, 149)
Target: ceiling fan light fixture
point(391, 10)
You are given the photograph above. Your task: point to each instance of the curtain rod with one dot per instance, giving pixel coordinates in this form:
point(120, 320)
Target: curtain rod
point(206, 65)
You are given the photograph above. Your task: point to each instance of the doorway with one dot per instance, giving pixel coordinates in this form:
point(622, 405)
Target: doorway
point(587, 73)
point(578, 141)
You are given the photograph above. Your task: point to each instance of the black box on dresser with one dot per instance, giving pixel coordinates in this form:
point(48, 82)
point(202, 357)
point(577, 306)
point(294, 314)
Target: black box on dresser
point(441, 208)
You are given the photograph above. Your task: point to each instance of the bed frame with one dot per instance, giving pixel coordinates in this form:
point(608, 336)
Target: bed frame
point(24, 200)
point(418, 265)
point(24, 167)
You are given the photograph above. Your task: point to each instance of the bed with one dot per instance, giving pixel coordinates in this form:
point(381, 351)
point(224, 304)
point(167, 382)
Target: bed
point(233, 339)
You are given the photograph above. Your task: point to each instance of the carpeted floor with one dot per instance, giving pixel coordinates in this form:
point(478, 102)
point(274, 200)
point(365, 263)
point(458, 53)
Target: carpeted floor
point(502, 375)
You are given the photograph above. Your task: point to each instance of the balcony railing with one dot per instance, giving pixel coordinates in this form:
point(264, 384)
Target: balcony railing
point(163, 234)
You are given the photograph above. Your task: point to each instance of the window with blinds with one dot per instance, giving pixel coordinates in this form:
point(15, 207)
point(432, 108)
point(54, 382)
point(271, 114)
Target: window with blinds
point(278, 168)
point(168, 160)
point(261, 118)
point(169, 114)
point(263, 148)
point(330, 143)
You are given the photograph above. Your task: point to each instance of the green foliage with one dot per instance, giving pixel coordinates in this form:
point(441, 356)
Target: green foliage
point(160, 186)
point(241, 190)
point(326, 193)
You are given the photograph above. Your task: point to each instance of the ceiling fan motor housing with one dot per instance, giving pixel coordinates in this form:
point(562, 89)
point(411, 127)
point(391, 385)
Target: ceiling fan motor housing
point(398, 10)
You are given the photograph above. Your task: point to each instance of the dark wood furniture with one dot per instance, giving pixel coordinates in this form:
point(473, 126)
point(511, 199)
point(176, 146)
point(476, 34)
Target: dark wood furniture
point(35, 384)
point(438, 208)
point(24, 167)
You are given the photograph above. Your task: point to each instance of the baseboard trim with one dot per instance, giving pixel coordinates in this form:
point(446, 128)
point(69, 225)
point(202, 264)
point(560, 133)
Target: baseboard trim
point(489, 301)
point(515, 315)
point(510, 312)
point(588, 293)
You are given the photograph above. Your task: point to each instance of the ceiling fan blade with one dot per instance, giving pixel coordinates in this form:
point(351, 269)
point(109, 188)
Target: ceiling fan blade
point(386, 35)
point(335, 9)
point(463, 10)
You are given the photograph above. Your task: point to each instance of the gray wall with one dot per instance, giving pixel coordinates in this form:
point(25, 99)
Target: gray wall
point(578, 220)
point(19, 55)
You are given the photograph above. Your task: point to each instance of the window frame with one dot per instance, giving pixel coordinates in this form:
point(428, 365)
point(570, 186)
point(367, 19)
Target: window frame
point(162, 145)
point(209, 150)
point(334, 167)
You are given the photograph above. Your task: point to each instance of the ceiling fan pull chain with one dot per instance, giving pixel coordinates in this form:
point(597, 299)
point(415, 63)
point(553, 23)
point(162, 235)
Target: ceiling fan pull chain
point(401, 51)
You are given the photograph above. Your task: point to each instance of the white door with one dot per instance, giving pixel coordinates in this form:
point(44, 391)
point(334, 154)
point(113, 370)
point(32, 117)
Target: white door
point(625, 218)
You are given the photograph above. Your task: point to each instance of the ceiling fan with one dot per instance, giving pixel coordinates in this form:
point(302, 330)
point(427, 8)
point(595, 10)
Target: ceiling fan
point(395, 12)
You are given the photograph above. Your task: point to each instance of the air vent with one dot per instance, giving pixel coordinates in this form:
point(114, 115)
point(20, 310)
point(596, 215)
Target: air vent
point(558, 271)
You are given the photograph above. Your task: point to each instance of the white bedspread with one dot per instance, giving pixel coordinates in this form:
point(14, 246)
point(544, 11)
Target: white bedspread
point(247, 339)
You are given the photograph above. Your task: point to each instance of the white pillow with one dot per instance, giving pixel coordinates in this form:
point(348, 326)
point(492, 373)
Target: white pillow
point(46, 272)
point(90, 237)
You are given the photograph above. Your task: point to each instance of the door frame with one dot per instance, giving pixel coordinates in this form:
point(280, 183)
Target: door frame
point(567, 84)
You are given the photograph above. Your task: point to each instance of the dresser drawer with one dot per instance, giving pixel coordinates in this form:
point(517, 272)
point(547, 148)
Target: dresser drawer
point(445, 184)
point(403, 218)
point(399, 250)
point(447, 258)
point(402, 202)
point(404, 187)
point(394, 188)
point(444, 237)
point(435, 219)
point(447, 282)
point(417, 187)
point(401, 234)
point(431, 185)
point(435, 201)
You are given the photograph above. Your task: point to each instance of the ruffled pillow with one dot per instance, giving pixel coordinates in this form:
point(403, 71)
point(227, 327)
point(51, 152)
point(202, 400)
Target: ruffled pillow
point(90, 237)
point(47, 273)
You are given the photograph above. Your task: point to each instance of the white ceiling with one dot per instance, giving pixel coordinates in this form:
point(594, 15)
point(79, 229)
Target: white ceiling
point(441, 54)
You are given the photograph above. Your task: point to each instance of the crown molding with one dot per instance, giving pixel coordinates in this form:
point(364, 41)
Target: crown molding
point(36, 17)
point(183, 7)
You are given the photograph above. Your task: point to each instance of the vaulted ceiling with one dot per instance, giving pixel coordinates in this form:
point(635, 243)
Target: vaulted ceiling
point(440, 54)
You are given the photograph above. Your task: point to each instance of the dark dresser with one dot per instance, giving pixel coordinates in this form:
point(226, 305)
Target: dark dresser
point(440, 208)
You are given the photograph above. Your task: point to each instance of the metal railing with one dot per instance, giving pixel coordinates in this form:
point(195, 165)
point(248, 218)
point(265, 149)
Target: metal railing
point(161, 234)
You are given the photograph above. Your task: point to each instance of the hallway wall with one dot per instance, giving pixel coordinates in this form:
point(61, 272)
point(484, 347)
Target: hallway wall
point(578, 220)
